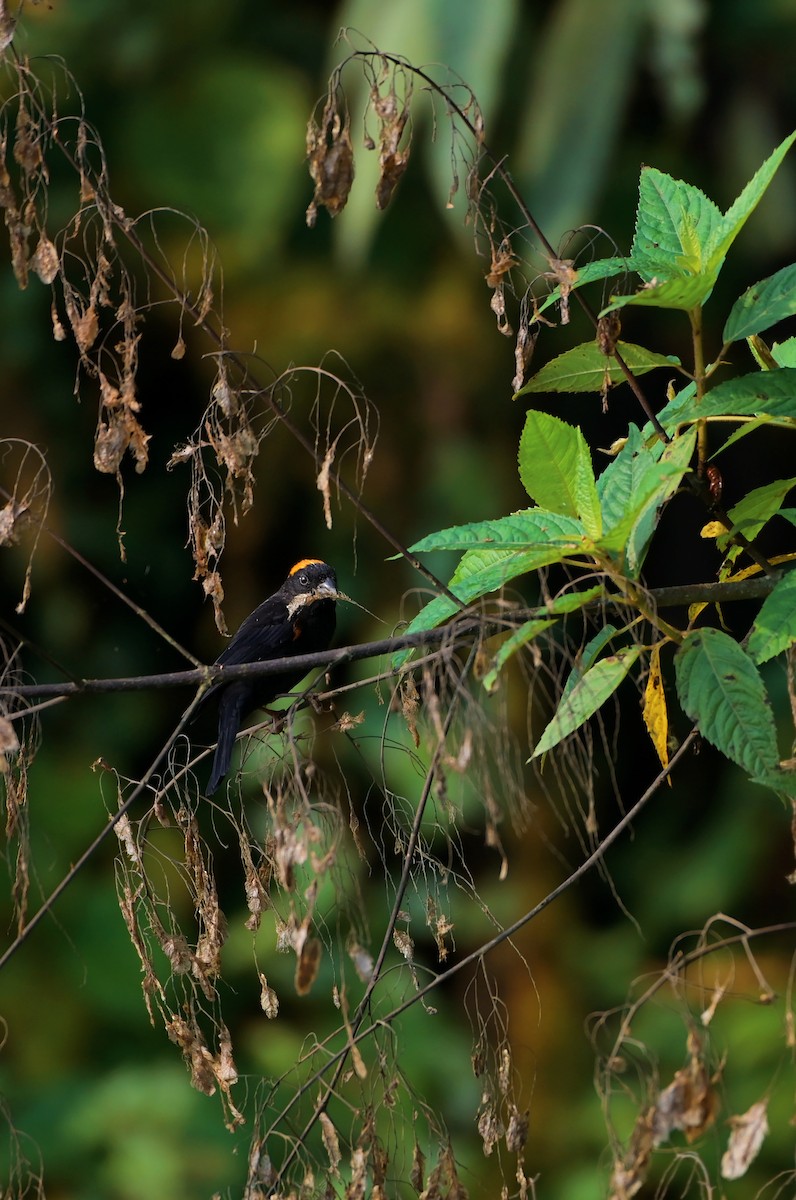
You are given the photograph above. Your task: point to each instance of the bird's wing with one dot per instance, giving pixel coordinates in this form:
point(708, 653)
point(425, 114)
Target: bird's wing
point(261, 635)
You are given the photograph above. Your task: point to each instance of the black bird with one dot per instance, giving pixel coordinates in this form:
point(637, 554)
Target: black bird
point(298, 619)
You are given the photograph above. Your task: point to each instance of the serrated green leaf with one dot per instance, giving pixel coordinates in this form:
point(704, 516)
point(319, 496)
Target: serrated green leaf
point(757, 507)
point(531, 527)
point(749, 516)
point(762, 305)
point(586, 697)
point(785, 352)
point(741, 209)
point(603, 268)
point(521, 637)
point(680, 291)
point(621, 480)
point(783, 782)
point(587, 657)
point(770, 392)
point(774, 629)
point(584, 368)
point(556, 470)
point(721, 690)
point(633, 529)
point(674, 220)
point(480, 572)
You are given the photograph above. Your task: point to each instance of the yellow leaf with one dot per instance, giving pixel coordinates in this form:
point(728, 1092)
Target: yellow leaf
point(776, 561)
point(713, 529)
point(654, 711)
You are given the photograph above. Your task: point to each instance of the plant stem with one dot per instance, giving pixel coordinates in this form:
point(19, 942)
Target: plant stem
point(695, 316)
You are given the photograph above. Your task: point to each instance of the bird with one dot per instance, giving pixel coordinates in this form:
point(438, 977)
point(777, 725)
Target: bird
point(299, 618)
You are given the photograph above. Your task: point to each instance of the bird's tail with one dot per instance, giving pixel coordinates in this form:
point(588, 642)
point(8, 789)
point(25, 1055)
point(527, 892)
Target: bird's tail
point(234, 698)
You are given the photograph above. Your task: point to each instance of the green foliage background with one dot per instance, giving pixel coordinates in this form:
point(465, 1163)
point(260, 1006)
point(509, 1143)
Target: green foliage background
point(203, 107)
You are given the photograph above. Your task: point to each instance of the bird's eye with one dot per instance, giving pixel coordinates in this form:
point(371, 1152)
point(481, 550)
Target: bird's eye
point(304, 580)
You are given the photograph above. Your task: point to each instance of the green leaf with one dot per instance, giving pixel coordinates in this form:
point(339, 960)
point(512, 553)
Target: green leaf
point(762, 305)
point(739, 212)
point(526, 633)
point(721, 690)
point(681, 292)
point(749, 515)
point(774, 629)
point(584, 368)
point(480, 571)
point(769, 392)
point(603, 268)
point(751, 426)
point(586, 658)
point(542, 618)
point(531, 527)
point(785, 352)
point(676, 224)
point(621, 480)
point(586, 697)
point(556, 469)
point(653, 485)
point(783, 782)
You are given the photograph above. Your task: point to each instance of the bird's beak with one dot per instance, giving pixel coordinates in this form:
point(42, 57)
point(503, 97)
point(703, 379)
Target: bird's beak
point(327, 586)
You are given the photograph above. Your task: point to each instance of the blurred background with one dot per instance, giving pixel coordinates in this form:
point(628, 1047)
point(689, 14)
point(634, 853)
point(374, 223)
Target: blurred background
point(203, 108)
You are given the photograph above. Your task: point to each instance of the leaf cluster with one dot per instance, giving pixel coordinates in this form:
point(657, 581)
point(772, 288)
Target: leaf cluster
point(603, 525)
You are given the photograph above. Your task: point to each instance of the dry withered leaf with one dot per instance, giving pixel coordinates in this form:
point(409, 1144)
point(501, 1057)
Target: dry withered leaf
point(562, 271)
point(404, 944)
point(12, 519)
point(323, 483)
point(630, 1172)
point(748, 1133)
point(689, 1103)
point(18, 233)
point(330, 155)
point(84, 324)
point(269, 1001)
point(362, 960)
point(331, 1142)
point(27, 151)
point(359, 1164)
point(9, 742)
point(309, 961)
point(59, 333)
point(523, 351)
point(392, 115)
point(348, 722)
point(417, 1172)
point(110, 444)
point(609, 328)
point(45, 262)
point(517, 1132)
point(410, 703)
point(8, 25)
